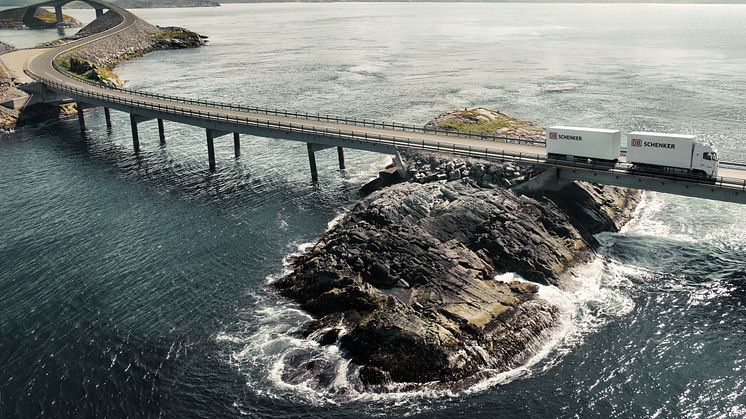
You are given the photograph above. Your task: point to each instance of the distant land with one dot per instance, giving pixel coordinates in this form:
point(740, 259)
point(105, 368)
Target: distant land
point(135, 4)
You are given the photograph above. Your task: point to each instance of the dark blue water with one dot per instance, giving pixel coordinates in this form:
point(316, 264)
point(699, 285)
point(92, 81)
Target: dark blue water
point(139, 285)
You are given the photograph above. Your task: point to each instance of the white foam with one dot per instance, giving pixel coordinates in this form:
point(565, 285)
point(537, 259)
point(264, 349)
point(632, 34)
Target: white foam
point(274, 358)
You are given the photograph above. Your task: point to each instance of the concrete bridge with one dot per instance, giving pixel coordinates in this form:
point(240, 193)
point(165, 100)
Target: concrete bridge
point(320, 132)
point(57, 5)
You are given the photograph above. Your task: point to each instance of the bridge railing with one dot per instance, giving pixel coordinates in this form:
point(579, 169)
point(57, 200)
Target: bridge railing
point(319, 117)
point(385, 140)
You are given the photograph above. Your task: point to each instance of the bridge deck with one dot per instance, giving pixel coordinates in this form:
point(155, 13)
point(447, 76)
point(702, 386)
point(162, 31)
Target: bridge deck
point(329, 131)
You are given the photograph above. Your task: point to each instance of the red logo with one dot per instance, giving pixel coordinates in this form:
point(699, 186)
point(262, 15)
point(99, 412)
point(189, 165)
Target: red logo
point(636, 142)
point(552, 135)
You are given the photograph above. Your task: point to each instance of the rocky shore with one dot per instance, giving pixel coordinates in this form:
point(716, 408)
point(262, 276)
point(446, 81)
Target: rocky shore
point(406, 283)
point(24, 18)
point(483, 120)
point(95, 62)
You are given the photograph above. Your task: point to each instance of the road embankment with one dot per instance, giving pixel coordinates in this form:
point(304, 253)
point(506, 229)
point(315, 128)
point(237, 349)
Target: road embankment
point(407, 283)
point(95, 61)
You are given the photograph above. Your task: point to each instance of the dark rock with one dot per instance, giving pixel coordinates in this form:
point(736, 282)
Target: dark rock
point(409, 272)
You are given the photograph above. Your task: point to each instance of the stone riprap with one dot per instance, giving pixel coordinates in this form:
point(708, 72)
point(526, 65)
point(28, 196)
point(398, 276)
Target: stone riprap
point(95, 61)
point(6, 48)
point(406, 283)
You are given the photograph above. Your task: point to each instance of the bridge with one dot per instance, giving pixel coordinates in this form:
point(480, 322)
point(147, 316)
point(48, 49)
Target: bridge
point(320, 132)
point(57, 5)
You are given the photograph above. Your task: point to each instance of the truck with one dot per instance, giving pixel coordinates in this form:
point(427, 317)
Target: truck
point(671, 153)
point(586, 144)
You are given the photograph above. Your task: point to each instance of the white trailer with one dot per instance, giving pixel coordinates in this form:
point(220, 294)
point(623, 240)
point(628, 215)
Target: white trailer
point(678, 153)
point(574, 143)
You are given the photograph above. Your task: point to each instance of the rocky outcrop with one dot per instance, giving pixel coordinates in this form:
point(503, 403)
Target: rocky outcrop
point(483, 120)
point(6, 48)
point(406, 283)
point(95, 61)
point(30, 18)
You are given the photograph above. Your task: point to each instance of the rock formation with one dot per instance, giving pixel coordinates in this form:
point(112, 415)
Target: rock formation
point(478, 120)
point(28, 18)
point(405, 284)
point(95, 61)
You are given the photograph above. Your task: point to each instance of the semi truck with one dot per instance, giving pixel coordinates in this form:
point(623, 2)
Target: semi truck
point(646, 151)
point(575, 143)
point(675, 153)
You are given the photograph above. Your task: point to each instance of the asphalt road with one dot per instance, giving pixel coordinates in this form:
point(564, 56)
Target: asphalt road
point(40, 64)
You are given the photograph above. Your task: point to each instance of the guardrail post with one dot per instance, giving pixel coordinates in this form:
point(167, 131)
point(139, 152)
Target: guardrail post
point(135, 136)
point(107, 115)
point(312, 162)
point(210, 150)
point(237, 144)
point(341, 157)
point(81, 118)
point(161, 131)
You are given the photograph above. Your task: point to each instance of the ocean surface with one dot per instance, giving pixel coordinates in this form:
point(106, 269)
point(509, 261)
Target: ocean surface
point(140, 285)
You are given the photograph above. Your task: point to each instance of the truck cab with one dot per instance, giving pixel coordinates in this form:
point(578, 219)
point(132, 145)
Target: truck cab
point(705, 159)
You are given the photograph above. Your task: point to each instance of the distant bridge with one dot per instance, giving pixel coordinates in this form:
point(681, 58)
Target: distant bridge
point(57, 5)
point(322, 131)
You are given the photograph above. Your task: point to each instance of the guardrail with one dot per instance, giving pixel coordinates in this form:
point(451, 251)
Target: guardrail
point(348, 135)
point(386, 140)
point(314, 117)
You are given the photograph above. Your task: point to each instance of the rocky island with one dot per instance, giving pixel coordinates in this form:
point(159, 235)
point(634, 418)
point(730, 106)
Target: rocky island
point(407, 283)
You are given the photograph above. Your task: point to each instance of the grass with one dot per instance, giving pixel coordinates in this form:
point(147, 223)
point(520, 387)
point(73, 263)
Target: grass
point(92, 75)
point(482, 125)
point(170, 35)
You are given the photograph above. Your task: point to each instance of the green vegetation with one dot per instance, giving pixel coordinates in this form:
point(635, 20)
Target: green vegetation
point(85, 70)
point(159, 36)
point(472, 121)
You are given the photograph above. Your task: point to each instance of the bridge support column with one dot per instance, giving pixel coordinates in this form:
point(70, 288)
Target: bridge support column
point(81, 117)
point(312, 162)
point(237, 144)
point(161, 131)
point(549, 180)
point(58, 14)
point(99, 13)
point(211, 150)
point(107, 115)
point(135, 136)
point(341, 157)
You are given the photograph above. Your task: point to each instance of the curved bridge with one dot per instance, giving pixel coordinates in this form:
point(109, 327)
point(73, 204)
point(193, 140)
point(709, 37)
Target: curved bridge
point(323, 131)
point(57, 4)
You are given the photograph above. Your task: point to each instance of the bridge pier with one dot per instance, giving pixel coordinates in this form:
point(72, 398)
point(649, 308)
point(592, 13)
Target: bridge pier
point(161, 131)
point(341, 157)
point(135, 135)
point(237, 144)
point(81, 117)
point(549, 180)
point(312, 162)
point(210, 150)
point(58, 14)
point(107, 115)
point(211, 135)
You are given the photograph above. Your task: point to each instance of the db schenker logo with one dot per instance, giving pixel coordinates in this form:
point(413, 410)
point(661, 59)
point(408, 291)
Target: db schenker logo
point(636, 142)
point(552, 135)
